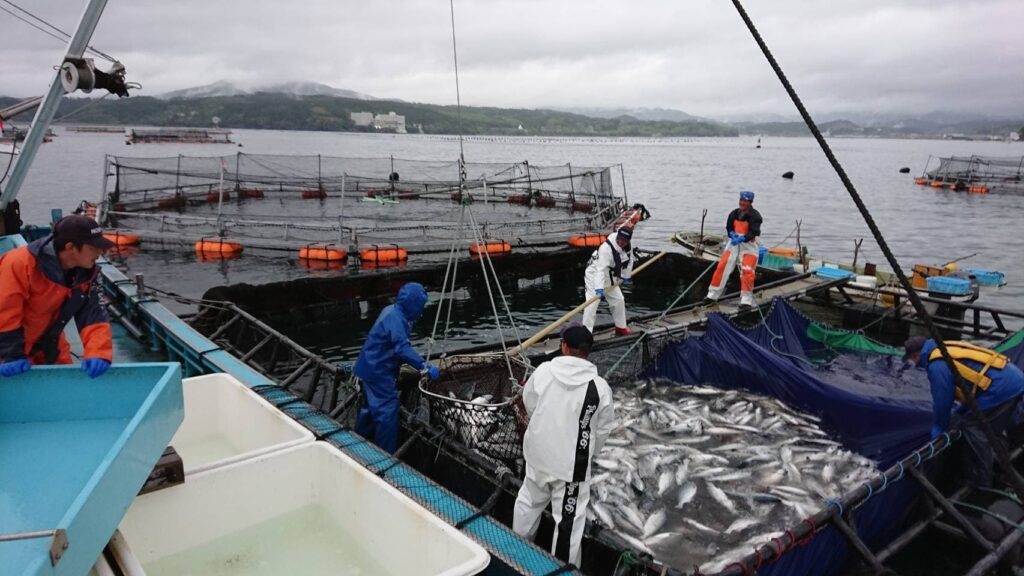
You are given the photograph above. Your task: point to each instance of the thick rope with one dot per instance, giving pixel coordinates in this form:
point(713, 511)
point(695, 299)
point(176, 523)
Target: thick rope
point(490, 295)
point(458, 94)
point(451, 267)
point(1000, 450)
point(501, 292)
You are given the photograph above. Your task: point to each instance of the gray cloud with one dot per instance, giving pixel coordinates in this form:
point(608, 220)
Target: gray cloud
point(909, 56)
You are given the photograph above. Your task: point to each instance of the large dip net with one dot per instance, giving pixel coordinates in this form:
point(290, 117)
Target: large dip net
point(477, 401)
point(355, 201)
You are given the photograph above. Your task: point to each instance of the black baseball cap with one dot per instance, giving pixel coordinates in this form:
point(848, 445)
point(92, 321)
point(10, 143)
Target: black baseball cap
point(625, 233)
point(578, 337)
point(78, 228)
point(913, 345)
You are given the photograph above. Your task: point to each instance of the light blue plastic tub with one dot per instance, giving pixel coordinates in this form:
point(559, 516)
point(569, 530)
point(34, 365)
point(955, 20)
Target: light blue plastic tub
point(987, 277)
point(831, 273)
point(949, 285)
point(74, 454)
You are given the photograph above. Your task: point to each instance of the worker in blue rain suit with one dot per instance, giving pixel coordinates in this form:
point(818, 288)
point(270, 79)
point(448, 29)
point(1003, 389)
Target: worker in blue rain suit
point(387, 347)
point(743, 227)
point(571, 415)
point(612, 261)
point(997, 385)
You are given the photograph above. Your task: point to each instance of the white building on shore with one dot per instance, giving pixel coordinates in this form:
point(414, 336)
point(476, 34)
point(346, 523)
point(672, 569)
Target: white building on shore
point(389, 122)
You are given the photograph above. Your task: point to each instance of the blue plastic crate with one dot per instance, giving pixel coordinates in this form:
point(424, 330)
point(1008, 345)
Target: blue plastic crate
point(949, 285)
point(831, 273)
point(987, 277)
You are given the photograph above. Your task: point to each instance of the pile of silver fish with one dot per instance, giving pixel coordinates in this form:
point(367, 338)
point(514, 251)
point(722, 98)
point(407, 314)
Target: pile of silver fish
point(696, 475)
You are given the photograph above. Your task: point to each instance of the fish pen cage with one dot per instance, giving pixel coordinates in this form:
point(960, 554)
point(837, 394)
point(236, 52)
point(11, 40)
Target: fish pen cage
point(275, 201)
point(975, 174)
point(865, 402)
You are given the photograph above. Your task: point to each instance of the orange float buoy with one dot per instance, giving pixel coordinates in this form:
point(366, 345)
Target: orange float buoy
point(936, 184)
point(978, 189)
point(171, 202)
point(628, 218)
point(217, 247)
point(784, 251)
point(313, 194)
point(383, 254)
point(244, 193)
point(921, 181)
point(215, 196)
point(544, 202)
point(519, 199)
point(323, 252)
point(491, 248)
point(587, 240)
point(582, 207)
point(121, 238)
point(123, 251)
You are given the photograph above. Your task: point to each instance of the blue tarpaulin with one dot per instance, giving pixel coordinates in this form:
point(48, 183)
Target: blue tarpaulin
point(869, 402)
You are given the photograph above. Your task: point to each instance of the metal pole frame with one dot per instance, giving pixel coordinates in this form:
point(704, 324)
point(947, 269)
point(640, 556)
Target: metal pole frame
point(46, 111)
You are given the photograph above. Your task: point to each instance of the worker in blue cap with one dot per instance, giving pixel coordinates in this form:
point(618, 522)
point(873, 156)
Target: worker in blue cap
point(996, 384)
point(743, 227)
point(386, 348)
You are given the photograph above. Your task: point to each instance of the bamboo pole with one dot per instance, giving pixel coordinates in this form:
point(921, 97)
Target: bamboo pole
point(554, 325)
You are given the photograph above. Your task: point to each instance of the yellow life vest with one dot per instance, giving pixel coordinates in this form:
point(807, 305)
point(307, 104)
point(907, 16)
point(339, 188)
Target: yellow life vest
point(967, 351)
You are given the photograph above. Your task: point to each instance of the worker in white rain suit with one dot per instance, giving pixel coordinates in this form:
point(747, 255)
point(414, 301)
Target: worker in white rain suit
point(611, 261)
point(571, 414)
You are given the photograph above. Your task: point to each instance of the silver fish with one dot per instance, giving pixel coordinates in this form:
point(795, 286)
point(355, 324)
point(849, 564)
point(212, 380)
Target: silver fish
point(686, 494)
point(665, 482)
point(720, 497)
point(654, 522)
point(740, 525)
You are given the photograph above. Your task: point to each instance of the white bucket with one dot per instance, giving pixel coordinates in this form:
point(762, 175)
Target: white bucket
point(307, 510)
point(226, 422)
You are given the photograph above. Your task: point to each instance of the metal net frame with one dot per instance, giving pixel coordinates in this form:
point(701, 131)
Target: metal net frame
point(354, 200)
point(999, 173)
point(476, 401)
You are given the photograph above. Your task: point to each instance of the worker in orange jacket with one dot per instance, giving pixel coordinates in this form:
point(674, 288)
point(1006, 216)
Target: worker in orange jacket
point(42, 287)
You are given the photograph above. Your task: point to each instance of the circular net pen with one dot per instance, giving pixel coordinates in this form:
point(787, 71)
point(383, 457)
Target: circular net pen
point(478, 402)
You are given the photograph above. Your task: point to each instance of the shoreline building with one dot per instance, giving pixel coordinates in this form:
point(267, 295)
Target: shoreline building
point(389, 122)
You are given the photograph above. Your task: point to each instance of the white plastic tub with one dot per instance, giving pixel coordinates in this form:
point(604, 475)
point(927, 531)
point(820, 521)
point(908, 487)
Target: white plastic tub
point(307, 510)
point(226, 422)
point(868, 281)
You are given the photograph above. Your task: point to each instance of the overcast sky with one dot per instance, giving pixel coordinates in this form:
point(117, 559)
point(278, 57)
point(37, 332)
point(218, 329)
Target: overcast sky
point(879, 56)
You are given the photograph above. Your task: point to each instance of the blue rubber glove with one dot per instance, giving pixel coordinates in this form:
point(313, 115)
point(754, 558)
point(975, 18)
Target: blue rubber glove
point(433, 371)
point(15, 367)
point(94, 367)
point(600, 292)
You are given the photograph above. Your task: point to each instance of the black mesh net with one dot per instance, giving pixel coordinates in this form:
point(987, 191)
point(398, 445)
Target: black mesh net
point(478, 402)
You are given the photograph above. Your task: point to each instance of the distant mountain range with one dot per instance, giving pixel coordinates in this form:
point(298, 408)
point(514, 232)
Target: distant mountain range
point(647, 114)
point(224, 88)
point(315, 106)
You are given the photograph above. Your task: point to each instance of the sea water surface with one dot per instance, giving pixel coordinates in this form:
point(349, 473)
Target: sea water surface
point(676, 178)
